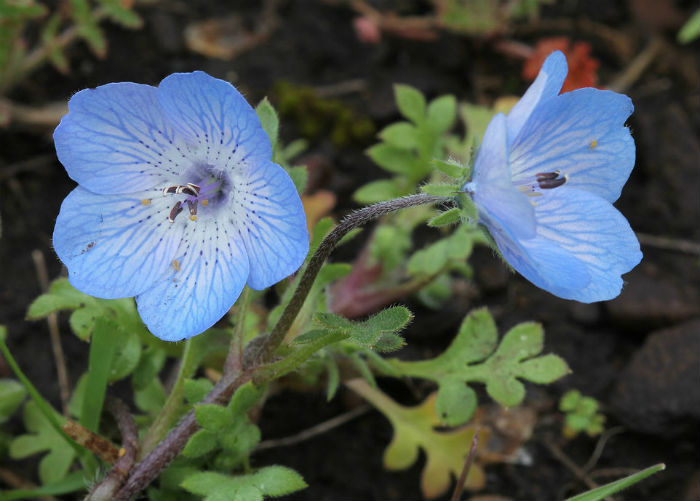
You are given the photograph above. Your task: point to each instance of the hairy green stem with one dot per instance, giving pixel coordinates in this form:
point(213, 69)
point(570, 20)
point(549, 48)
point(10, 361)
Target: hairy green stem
point(234, 359)
point(350, 222)
point(168, 413)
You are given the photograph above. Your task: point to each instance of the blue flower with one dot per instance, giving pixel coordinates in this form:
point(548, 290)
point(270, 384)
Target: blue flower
point(544, 181)
point(178, 203)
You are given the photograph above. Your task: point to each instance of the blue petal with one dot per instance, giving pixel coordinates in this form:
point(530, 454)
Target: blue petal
point(271, 221)
point(582, 134)
point(188, 299)
point(116, 139)
point(583, 246)
point(114, 246)
point(546, 86)
point(216, 119)
point(593, 231)
point(494, 192)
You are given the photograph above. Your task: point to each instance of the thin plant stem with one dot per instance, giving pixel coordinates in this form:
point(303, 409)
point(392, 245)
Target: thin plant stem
point(459, 487)
point(168, 413)
point(234, 359)
point(352, 221)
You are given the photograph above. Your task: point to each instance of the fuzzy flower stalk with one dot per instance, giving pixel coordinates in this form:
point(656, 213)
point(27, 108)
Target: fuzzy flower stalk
point(178, 201)
point(544, 181)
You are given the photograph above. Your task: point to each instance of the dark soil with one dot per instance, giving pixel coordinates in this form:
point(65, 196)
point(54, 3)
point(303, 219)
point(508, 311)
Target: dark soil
point(639, 354)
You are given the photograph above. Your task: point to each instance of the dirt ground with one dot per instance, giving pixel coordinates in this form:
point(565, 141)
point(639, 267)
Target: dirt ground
point(639, 354)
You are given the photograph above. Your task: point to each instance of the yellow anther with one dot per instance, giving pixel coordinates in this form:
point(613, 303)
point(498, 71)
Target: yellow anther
point(204, 202)
point(594, 143)
point(193, 217)
point(146, 201)
point(176, 264)
point(122, 451)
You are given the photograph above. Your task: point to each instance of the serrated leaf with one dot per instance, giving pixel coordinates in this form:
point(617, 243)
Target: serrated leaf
point(506, 390)
point(411, 102)
point(450, 216)
point(441, 114)
point(377, 191)
point(43, 437)
point(400, 134)
point(414, 428)
point(12, 394)
point(441, 190)
point(267, 481)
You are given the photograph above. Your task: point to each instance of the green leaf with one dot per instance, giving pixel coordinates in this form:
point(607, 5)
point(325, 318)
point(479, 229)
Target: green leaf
point(201, 443)
point(150, 364)
point(300, 176)
point(102, 348)
point(608, 490)
point(411, 102)
point(245, 398)
point(120, 14)
point(377, 191)
point(398, 160)
point(400, 134)
point(12, 394)
point(690, 30)
point(441, 190)
point(334, 322)
point(477, 119)
point(389, 342)
point(451, 169)
point(455, 403)
point(269, 120)
point(267, 481)
point(151, 397)
point(43, 437)
point(196, 389)
point(213, 417)
point(543, 370)
point(442, 113)
point(450, 216)
point(389, 320)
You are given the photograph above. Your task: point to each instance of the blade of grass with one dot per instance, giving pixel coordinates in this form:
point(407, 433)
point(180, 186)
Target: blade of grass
point(613, 487)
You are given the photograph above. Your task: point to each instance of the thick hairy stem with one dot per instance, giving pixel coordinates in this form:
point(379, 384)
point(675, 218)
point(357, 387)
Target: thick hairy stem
point(350, 222)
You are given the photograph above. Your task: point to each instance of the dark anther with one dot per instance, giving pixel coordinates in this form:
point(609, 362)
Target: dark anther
point(170, 189)
point(192, 206)
point(550, 180)
point(177, 208)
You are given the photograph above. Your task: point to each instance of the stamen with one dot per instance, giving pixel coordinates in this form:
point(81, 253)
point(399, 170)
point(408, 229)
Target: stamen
point(192, 206)
point(146, 201)
point(169, 189)
point(177, 208)
point(594, 143)
point(550, 180)
point(205, 202)
point(176, 264)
